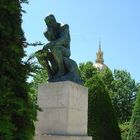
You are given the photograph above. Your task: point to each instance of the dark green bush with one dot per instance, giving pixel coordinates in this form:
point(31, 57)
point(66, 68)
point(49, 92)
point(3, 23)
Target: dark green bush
point(124, 130)
point(102, 124)
point(134, 132)
point(17, 111)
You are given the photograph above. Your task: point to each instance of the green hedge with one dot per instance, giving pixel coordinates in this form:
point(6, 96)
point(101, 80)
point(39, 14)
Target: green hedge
point(134, 132)
point(102, 124)
point(17, 111)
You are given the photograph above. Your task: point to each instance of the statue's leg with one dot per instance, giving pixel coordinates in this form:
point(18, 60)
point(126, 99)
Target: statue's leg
point(49, 70)
point(43, 60)
point(53, 64)
point(72, 69)
point(58, 56)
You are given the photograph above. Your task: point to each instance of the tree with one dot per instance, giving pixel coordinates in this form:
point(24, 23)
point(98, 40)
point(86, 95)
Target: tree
point(87, 70)
point(102, 124)
point(17, 112)
point(134, 131)
point(123, 94)
point(121, 88)
point(107, 77)
point(124, 127)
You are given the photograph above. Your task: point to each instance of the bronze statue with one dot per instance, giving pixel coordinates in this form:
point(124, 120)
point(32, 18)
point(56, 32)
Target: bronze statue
point(55, 55)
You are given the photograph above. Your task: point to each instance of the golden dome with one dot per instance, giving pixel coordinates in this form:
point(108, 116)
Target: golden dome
point(99, 60)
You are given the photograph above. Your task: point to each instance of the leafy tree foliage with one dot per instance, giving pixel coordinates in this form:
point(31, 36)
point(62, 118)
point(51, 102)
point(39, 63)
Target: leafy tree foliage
point(17, 112)
point(134, 132)
point(123, 95)
point(124, 127)
point(87, 70)
point(107, 77)
point(102, 124)
point(121, 88)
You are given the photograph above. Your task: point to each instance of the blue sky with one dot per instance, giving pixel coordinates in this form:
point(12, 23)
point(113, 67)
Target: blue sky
point(116, 22)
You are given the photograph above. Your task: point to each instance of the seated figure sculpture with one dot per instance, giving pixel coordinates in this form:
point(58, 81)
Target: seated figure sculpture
point(55, 55)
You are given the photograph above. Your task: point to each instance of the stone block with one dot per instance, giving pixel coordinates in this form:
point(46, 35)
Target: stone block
point(64, 107)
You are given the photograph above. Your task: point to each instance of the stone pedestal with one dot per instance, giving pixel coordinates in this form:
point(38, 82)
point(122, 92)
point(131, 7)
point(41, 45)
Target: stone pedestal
point(64, 115)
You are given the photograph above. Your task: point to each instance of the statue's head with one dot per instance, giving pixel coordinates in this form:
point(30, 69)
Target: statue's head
point(50, 20)
point(54, 28)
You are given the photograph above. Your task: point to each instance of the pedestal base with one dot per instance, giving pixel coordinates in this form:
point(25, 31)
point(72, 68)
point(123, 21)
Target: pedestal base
point(57, 137)
point(64, 106)
point(64, 115)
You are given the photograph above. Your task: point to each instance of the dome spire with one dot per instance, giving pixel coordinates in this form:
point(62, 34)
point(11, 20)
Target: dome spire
point(100, 45)
point(99, 55)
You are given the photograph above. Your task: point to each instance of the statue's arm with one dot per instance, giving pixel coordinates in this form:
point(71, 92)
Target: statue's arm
point(64, 37)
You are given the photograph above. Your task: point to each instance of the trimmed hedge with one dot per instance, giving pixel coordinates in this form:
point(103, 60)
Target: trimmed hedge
point(102, 124)
point(134, 132)
point(17, 112)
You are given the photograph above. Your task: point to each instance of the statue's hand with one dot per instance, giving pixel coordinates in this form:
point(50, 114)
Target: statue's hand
point(52, 43)
point(47, 46)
